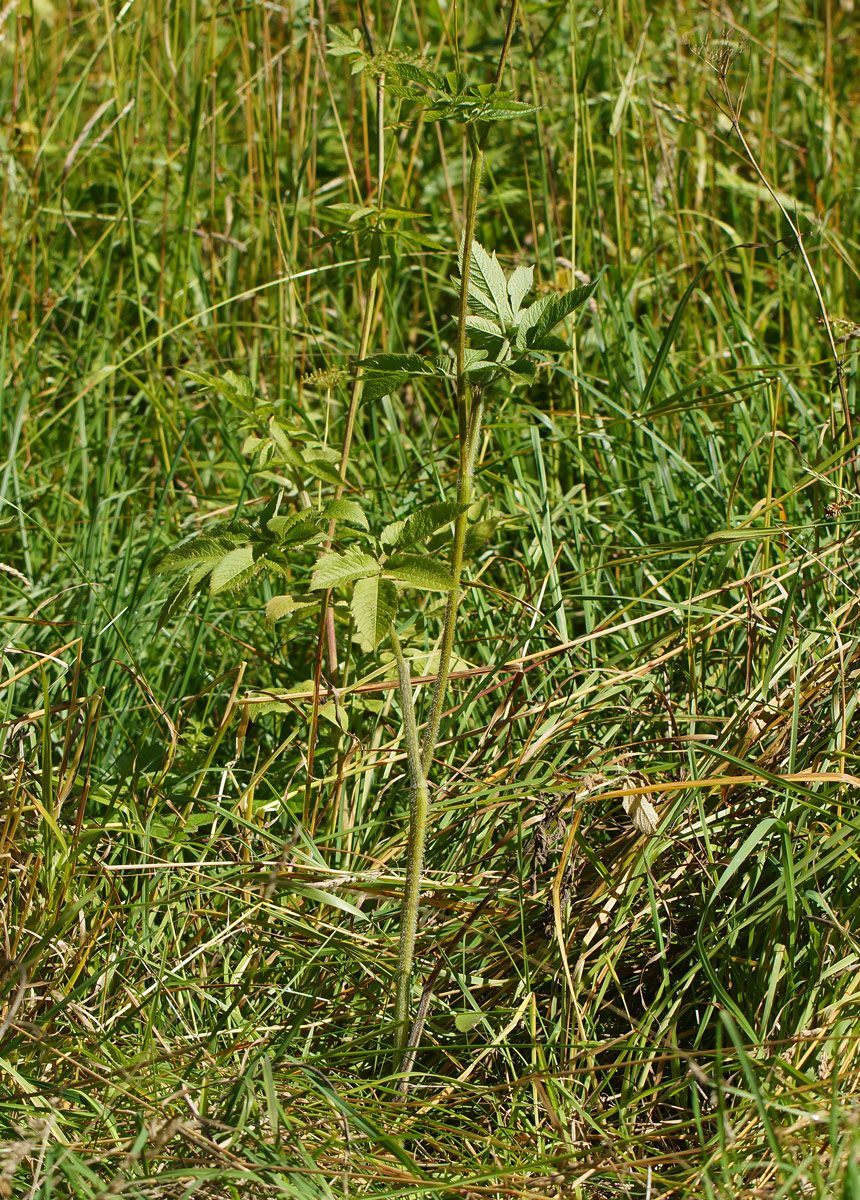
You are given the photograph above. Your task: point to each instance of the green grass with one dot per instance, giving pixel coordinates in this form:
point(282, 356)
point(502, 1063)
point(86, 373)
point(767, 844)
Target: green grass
point(199, 941)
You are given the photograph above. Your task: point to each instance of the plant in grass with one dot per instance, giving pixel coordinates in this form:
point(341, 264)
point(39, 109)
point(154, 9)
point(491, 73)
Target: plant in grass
point(500, 342)
point(508, 342)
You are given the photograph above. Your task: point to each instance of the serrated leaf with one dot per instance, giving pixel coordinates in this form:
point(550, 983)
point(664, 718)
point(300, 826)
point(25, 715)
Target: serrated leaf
point(507, 110)
point(343, 42)
point(485, 336)
point(412, 364)
point(422, 523)
point(345, 510)
point(487, 279)
point(305, 528)
point(196, 578)
point(416, 74)
point(202, 547)
point(485, 325)
point(519, 286)
point(316, 465)
point(282, 525)
point(480, 370)
point(280, 438)
point(238, 384)
point(334, 569)
point(232, 569)
point(235, 388)
point(252, 444)
point(177, 598)
point(521, 366)
point(550, 344)
point(403, 91)
point(377, 386)
point(420, 571)
point(391, 533)
point(543, 316)
point(374, 606)
point(383, 374)
point(478, 534)
point(211, 545)
point(282, 606)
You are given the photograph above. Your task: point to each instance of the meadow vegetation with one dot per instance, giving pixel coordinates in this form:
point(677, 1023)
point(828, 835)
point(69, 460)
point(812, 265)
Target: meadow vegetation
point(635, 969)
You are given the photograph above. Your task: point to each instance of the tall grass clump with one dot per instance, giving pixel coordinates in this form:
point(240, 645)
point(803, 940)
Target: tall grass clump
point(428, 752)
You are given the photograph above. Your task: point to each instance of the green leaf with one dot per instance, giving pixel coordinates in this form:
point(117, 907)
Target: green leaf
point(283, 606)
point(334, 569)
point(342, 42)
point(478, 534)
point(488, 287)
point(284, 527)
point(345, 510)
point(422, 523)
point(543, 316)
point(474, 358)
point(374, 605)
point(210, 545)
point(411, 364)
point(316, 465)
point(485, 325)
point(323, 897)
point(185, 589)
point(177, 598)
point(507, 110)
point(468, 1020)
point(383, 374)
point(485, 336)
point(391, 533)
point(420, 571)
point(231, 570)
point(234, 388)
point(519, 286)
point(670, 335)
point(550, 344)
point(416, 74)
point(377, 386)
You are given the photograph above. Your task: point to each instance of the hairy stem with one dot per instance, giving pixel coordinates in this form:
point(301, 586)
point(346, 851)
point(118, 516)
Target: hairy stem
point(419, 806)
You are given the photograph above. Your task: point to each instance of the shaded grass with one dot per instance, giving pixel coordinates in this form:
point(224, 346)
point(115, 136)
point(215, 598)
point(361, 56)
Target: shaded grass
point(195, 983)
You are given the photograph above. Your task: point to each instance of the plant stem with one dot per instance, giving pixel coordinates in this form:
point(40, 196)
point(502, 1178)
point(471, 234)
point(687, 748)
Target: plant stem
point(419, 807)
point(468, 448)
point(469, 416)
